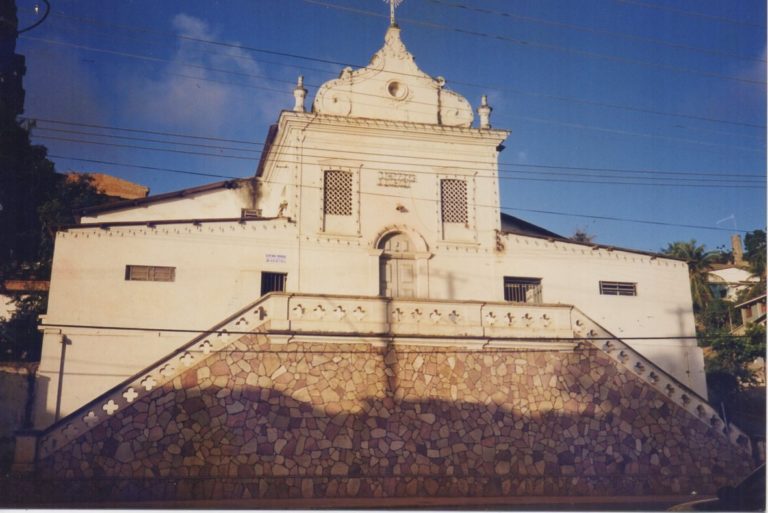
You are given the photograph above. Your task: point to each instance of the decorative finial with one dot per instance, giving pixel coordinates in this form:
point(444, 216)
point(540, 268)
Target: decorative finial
point(393, 4)
point(484, 110)
point(299, 94)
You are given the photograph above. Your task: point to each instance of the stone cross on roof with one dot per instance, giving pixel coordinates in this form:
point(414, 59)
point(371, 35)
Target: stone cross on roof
point(393, 4)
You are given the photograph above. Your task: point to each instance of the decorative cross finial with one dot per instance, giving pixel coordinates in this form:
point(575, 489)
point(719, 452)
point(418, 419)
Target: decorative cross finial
point(393, 4)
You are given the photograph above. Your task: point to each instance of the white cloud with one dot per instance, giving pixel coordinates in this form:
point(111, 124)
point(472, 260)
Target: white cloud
point(189, 92)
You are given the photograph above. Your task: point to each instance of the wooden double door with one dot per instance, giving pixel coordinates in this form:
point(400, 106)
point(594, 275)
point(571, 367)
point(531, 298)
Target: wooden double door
point(397, 271)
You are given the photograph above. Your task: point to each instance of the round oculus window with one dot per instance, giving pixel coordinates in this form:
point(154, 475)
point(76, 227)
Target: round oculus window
point(397, 90)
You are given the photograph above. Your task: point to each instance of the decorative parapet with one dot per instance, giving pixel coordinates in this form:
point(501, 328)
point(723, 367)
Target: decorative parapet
point(377, 316)
point(664, 383)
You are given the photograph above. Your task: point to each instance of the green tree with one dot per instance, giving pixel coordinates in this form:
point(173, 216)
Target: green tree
point(729, 359)
point(581, 235)
point(27, 180)
point(755, 253)
point(719, 314)
point(699, 264)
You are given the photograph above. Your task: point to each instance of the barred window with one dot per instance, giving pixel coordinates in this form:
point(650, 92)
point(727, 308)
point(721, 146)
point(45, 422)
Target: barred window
point(522, 290)
point(273, 282)
point(618, 288)
point(453, 201)
point(149, 273)
point(337, 199)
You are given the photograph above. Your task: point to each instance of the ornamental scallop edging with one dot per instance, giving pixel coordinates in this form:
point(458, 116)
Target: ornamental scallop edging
point(162, 372)
point(376, 316)
point(685, 398)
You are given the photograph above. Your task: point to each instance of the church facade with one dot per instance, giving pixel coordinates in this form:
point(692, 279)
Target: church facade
point(365, 267)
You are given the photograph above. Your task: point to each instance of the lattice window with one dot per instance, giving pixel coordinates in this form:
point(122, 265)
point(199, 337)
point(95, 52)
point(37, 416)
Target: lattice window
point(149, 273)
point(453, 201)
point(618, 288)
point(338, 193)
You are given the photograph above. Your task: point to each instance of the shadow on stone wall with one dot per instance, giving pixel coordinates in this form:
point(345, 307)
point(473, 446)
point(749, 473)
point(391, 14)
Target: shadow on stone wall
point(16, 390)
point(352, 421)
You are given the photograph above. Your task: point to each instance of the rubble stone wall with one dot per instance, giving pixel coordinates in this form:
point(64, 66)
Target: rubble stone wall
point(344, 420)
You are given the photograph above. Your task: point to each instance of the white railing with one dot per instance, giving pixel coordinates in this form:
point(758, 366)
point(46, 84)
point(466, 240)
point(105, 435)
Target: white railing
point(663, 382)
point(307, 313)
point(249, 319)
point(362, 316)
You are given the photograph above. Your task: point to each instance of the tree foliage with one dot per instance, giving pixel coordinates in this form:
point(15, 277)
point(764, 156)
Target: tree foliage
point(754, 252)
point(581, 235)
point(34, 199)
point(699, 264)
point(729, 360)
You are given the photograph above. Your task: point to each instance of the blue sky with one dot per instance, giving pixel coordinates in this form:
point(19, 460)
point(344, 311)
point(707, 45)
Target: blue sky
point(652, 110)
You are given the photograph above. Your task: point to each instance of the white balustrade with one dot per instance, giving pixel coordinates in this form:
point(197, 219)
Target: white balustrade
point(656, 377)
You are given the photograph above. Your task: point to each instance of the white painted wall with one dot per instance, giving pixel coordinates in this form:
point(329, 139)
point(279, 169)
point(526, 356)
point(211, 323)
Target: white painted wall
point(218, 264)
point(218, 271)
point(218, 203)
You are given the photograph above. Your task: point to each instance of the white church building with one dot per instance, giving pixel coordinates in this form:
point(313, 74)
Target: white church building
point(360, 320)
point(384, 190)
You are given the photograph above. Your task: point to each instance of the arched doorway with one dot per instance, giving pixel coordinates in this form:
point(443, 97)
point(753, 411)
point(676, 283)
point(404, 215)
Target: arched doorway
point(397, 275)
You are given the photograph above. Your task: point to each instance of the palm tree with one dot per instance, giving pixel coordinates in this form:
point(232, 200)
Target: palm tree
point(699, 264)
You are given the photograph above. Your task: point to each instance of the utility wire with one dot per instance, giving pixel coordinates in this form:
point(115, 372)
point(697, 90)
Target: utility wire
point(300, 152)
point(503, 177)
point(218, 70)
point(684, 12)
point(387, 155)
point(592, 30)
point(539, 120)
point(546, 46)
point(501, 207)
point(623, 219)
point(761, 176)
point(253, 159)
point(149, 168)
point(536, 120)
point(358, 335)
point(467, 84)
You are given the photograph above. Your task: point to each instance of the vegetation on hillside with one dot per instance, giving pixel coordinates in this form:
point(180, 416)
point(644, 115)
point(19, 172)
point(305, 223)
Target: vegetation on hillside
point(729, 358)
point(34, 199)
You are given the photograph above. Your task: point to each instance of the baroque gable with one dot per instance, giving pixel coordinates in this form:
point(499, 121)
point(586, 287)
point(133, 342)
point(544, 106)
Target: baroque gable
point(392, 87)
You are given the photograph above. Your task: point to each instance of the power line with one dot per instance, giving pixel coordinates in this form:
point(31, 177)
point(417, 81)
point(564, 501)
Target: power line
point(217, 70)
point(253, 159)
point(502, 207)
point(358, 335)
point(467, 84)
point(149, 168)
point(503, 177)
point(581, 126)
point(592, 30)
point(539, 120)
point(727, 182)
point(357, 152)
point(683, 12)
point(624, 219)
point(547, 46)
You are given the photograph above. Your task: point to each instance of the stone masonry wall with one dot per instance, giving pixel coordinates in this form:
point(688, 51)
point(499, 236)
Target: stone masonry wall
point(336, 420)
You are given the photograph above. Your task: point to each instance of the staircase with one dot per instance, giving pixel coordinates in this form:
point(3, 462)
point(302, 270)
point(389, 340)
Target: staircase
point(374, 320)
